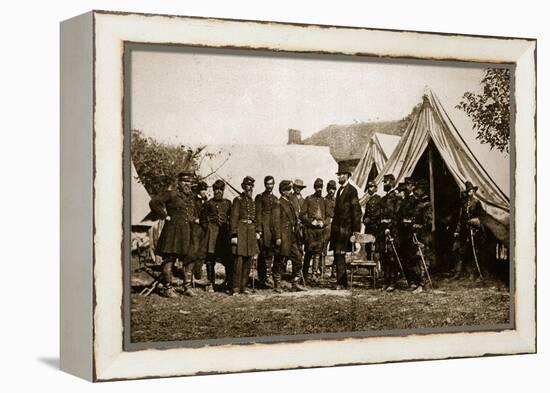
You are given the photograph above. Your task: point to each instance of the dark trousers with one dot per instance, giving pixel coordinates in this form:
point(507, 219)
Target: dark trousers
point(241, 271)
point(168, 269)
point(265, 263)
point(341, 271)
point(227, 262)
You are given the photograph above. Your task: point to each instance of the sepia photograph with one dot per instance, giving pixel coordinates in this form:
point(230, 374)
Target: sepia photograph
point(279, 196)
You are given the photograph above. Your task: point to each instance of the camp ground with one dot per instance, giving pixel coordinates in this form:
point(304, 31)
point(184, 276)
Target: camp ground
point(433, 149)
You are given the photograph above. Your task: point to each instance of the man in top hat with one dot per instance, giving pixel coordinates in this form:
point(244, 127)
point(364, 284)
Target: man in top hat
point(314, 217)
point(198, 244)
point(371, 218)
point(468, 227)
point(267, 206)
point(346, 221)
point(387, 239)
point(216, 217)
point(422, 229)
point(177, 208)
point(244, 235)
point(286, 235)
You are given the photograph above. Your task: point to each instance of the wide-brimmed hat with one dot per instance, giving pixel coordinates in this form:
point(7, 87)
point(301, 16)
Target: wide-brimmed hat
point(469, 186)
point(285, 185)
point(344, 167)
point(299, 183)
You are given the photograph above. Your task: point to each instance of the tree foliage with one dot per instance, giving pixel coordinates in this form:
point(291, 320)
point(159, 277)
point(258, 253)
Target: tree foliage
point(159, 163)
point(490, 109)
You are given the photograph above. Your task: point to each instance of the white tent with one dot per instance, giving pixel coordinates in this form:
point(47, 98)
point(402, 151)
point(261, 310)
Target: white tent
point(375, 155)
point(232, 163)
point(432, 123)
point(139, 201)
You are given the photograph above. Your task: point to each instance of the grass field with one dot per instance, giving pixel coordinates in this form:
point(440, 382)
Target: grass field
point(319, 310)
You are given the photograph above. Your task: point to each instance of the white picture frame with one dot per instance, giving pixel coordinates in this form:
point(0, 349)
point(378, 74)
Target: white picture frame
point(92, 165)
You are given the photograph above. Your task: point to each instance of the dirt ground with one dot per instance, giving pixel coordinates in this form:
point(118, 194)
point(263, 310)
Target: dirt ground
point(319, 310)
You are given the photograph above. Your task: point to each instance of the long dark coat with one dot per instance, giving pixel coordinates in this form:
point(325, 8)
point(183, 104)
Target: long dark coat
point(244, 226)
point(216, 216)
point(175, 237)
point(314, 208)
point(287, 230)
point(346, 220)
point(330, 214)
point(371, 219)
point(267, 206)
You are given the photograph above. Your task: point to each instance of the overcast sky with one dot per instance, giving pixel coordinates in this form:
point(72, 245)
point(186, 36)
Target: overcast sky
point(220, 98)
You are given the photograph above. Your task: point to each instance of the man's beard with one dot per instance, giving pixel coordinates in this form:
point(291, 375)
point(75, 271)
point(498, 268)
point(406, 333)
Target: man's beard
point(342, 180)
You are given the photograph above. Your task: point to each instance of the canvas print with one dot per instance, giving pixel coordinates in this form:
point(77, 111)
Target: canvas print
point(282, 196)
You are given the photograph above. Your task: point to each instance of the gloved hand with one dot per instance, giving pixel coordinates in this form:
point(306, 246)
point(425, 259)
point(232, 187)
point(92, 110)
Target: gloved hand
point(234, 240)
point(456, 234)
point(387, 231)
point(278, 242)
point(258, 235)
point(352, 238)
point(197, 221)
point(167, 218)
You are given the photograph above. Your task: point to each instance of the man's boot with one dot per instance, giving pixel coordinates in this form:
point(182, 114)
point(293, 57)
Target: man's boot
point(210, 273)
point(315, 268)
point(296, 286)
point(277, 283)
point(458, 269)
point(269, 279)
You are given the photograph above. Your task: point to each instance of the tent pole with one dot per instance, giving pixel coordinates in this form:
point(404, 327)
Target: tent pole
point(432, 189)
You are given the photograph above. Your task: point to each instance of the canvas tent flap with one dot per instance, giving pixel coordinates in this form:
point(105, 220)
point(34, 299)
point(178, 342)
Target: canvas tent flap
point(139, 201)
point(232, 163)
point(376, 153)
point(433, 123)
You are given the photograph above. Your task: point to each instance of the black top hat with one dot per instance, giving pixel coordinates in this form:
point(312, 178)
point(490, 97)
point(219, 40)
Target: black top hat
point(469, 186)
point(344, 167)
point(331, 185)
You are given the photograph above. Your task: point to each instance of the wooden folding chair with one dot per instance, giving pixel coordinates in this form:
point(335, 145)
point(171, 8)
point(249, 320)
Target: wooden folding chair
point(359, 259)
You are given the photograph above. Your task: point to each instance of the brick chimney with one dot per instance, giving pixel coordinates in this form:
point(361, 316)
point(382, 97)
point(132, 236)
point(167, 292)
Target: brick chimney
point(294, 137)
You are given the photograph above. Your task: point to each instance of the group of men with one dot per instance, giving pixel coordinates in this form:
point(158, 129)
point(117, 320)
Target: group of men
point(402, 222)
point(301, 230)
point(273, 230)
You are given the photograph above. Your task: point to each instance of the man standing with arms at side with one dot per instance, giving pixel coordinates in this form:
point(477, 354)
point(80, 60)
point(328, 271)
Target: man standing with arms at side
point(371, 219)
point(314, 217)
point(244, 235)
point(286, 241)
point(266, 203)
point(330, 200)
point(216, 216)
point(346, 221)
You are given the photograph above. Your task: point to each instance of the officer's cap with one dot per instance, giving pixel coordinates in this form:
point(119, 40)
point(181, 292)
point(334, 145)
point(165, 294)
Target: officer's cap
point(248, 181)
point(371, 184)
point(218, 185)
point(318, 183)
point(331, 185)
point(389, 176)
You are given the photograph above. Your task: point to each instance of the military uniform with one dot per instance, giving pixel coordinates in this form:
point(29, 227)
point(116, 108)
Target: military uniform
point(216, 216)
point(197, 254)
point(177, 209)
point(244, 228)
point(407, 248)
point(267, 206)
point(289, 248)
point(389, 209)
point(470, 212)
point(422, 227)
point(371, 218)
point(314, 217)
point(329, 201)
